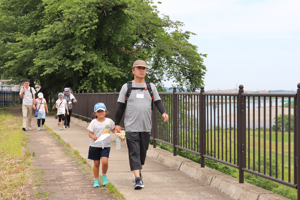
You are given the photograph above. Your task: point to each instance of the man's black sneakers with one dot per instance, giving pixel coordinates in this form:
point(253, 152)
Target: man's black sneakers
point(138, 184)
point(23, 129)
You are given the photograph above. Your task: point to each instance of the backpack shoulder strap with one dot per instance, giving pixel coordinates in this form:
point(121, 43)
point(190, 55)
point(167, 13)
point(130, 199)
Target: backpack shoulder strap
point(129, 88)
point(150, 92)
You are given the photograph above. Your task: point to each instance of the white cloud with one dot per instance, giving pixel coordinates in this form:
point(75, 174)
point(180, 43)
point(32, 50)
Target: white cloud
point(236, 18)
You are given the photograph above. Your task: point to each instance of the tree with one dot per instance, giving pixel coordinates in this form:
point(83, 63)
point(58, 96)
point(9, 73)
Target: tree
point(288, 123)
point(92, 44)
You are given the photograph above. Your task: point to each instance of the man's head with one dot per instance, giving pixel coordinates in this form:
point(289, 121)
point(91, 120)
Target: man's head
point(26, 82)
point(139, 69)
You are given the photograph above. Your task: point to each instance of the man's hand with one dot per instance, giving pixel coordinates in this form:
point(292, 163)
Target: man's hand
point(118, 129)
point(33, 106)
point(166, 117)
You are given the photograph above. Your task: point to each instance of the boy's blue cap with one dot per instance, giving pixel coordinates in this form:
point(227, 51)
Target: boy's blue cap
point(99, 106)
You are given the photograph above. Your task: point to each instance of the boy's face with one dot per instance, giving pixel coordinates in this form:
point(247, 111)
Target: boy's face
point(61, 98)
point(101, 113)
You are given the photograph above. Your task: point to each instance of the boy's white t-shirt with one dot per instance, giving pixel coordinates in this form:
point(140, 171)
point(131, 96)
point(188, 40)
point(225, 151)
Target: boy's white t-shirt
point(100, 128)
point(62, 106)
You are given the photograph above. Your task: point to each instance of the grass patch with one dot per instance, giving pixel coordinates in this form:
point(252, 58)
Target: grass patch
point(272, 186)
point(14, 158)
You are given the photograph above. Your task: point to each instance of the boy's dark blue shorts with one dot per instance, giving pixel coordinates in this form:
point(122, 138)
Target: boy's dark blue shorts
point(95, 153)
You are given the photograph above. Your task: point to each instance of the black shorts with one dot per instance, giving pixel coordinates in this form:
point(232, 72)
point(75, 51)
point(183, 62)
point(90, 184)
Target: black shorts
point(137, 143)
point(96, 153)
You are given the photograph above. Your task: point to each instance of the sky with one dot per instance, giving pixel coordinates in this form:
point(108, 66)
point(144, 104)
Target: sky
point(255, 43)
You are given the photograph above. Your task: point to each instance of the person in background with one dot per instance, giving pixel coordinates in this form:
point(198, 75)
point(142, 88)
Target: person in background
point(62, 107)
point(41, 104)
point(69, 97)
point(27, 94)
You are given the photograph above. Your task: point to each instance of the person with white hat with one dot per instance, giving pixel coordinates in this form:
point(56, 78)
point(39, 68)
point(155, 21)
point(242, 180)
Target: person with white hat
point(69, 97)
point(41, 109)
point(62, 107)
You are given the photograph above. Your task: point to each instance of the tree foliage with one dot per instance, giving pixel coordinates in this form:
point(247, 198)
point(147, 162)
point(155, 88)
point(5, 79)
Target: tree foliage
point(287, 125)
point(92, 44)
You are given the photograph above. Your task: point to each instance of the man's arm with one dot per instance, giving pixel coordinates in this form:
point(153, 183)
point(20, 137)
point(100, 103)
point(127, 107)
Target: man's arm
point(119, 115)
point(161, 108)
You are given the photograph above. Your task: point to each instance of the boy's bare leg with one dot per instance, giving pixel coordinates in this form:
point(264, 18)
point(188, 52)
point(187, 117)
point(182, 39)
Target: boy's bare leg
point(104, 164)
point(96, 168)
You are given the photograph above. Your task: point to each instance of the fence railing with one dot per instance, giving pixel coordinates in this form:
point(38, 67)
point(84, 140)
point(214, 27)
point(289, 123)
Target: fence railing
point(8, 98)
point(253, 132)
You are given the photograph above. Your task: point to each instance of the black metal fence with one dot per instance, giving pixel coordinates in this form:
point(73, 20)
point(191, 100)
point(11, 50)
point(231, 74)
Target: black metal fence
point(253, 132)
point(9, 98)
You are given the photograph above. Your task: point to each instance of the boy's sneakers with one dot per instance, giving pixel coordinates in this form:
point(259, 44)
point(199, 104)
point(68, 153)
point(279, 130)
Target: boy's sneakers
point(43, 127)
point(104, 180)
point(63, 128)
point(60, 128)
point(96, 183)
point(138, 184)
point(39, 128)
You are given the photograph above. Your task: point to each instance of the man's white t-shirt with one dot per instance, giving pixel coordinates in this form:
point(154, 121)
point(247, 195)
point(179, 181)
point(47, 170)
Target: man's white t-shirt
point(27, 96)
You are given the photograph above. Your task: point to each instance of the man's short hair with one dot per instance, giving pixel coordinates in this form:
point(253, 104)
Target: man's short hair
point(26, 80)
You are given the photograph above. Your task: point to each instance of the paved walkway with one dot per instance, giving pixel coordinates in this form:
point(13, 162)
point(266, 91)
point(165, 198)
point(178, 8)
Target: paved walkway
point(164, 176)
point(55, 174)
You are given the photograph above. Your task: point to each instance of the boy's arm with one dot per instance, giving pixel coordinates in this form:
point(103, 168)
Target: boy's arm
point(91, 135)
point(46, 107)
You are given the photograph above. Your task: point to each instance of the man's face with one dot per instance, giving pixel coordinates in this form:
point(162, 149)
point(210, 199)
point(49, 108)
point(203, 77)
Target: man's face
point(139, 71)
point(26, 84)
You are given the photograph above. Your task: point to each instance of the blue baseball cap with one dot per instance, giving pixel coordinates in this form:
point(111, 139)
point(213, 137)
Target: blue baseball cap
point(99, 106)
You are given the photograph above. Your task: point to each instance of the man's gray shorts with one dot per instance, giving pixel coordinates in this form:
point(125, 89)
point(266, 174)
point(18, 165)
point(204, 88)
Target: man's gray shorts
point(137, 143)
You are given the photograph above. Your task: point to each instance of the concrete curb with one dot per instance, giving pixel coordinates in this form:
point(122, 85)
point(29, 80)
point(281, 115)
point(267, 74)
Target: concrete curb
point(216, 179)
point(211, 177)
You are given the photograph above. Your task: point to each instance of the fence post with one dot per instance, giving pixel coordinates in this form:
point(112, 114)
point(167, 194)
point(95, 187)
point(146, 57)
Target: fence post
point(174, 122)
point(241, 131)
point(202, 126)
point(297, 141)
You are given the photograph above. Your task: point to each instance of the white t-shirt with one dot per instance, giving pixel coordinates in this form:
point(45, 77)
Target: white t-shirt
point(61, 106)
point(27, 95)
point(100, 128)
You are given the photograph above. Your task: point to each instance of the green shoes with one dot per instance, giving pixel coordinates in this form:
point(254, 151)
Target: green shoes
point(104, 180)
point(96, 183)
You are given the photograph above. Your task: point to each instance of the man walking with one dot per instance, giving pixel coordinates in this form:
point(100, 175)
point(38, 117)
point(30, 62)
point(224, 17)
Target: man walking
point(136, 99)
point(28, 101)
